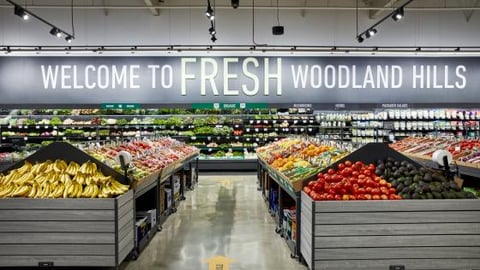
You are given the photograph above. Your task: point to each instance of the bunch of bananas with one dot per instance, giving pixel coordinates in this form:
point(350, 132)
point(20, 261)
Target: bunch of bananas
point(59, 180)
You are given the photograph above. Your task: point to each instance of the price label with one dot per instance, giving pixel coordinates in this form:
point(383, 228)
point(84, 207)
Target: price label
point(209, 138)
point(236, 126)
point(276, 129)
point(117, 138)
point(276, 139)
point(265, 129)
point(3, 138)
point(304, 121)
point(209, 149)
point(193, 138)
point(248, 130)
point(228, 137)
point(108, 138)
point(9, 126)
point(64, 138)
point(89, 138)
point(181, 126)
point(302, 130)
point(55, 127)
point(25, 138)
point(258, 121)
point(248, 139)
point(458, 148)
point(20, 127)
point(310, 129)
point(295, 121)
point(257, 139)
point(251, 121)
point(37, 127)
point(46, 127)
point(265, 121)
point(274, 121)
point(311, 121)
point(218, 137)
point(256, 129)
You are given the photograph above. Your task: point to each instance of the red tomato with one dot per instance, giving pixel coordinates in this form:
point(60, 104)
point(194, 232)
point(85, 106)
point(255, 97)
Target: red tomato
point(323, 197)
point(330, 197)
point(376, 197)
point(392, 191)
point(361, 176)
point(355, 173)
point(361, 197)
point(352, 197)
point(319, 175)
point(355, 186)
point(307, 190)
point(343, 191)
point(345, 197)
point(348, 163)
point(348, 186)
point(341, 166)
point(389, 185)
point(361, 182)
point(371, 167)
point(383, 183)
point(375, 191)
point(392, 197)
point(377, 178)
point(384, 197)
point(361, 191)
point(327, 178)
point(332, 192)
point(318, 187)
point(311, 184)
point(369, 183)
point(338, 197)
point(359, 163)
point(368, 190)
point(331, 171)
point(367, 172)
point(368, 196)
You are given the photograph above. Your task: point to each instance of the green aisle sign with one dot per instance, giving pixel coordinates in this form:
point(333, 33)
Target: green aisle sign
point(120, 106)
point(229, 106)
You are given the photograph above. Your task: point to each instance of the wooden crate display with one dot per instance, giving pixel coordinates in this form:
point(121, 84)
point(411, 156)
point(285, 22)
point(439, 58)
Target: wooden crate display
point(66, 232)
point(416, 234)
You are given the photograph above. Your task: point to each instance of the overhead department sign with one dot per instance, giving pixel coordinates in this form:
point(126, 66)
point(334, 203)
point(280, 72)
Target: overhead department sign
point(170, 80)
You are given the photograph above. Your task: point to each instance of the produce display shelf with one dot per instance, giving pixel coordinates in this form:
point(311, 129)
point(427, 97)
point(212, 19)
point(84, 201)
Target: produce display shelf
point(463, 167)
point(227, 164)
point(66, 232)
point(406, 234)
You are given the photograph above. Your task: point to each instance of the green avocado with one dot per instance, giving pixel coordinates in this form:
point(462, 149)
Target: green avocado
point(429, 195)
point(437, 195)
point(416, 196)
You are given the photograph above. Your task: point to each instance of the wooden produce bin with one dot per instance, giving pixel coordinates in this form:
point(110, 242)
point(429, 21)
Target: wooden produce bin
point(415, 234)
point(66, 232)
point(62, 232)
point(399, 235)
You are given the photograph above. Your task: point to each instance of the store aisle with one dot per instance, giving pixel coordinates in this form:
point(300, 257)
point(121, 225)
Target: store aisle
point(224, 216)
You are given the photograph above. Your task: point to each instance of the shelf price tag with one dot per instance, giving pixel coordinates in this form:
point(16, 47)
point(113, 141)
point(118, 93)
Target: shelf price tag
point(276, 129)
point(9, 126)
point(64, 138)
point(89, 138)
point(274, 121)
point(55, 127)
point(37, 127)
point(304, 121)
point(209, 138)
point(25, 138)
point(4, 138)
point(236, 126)
point(247, 130)
point(302, 130)
point(257, 139)
point(265, 121)
point(311, 121)
point(258, 121)
point(256, 129)
point(107, 138)
point(209, 149)
point(248, 139)
point(295, 121)
point(46, 127)
point(193, 138)
point(218, 137)
point(265, 129)
point(236, 137)
point(251, 121)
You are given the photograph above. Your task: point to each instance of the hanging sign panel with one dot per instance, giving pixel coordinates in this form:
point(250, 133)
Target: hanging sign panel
point(186, 80)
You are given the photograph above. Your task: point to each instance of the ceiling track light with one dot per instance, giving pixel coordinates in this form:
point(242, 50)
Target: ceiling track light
point(396, 15)
point(235, 3)
point(20, 12)
point(209, 12)
point(26, 14)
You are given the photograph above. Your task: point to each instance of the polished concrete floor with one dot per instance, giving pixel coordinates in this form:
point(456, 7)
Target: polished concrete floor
point(224, 216)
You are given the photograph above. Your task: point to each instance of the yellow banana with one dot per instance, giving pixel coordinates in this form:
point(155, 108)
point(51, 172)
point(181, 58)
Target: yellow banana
point(6, 190)
point(20, 191)
point(33, 190)
point(95, 192)
point(79, 191)
point(83, 168)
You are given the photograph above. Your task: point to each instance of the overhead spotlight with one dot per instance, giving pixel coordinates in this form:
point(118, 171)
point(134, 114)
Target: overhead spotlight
point(360, 39)
point(235, 3)
point(370, 32)
point(20, 12)
point(209, 12)
point(69, 39)
point(398, 15)
point(56, 32)
point(213, 39)
point(212, 31)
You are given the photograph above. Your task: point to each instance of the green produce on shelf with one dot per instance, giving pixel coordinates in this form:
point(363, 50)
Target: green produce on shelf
point(219, 154)
point(237, 154)
point(223, 131)
point(103, 132)
point(212, 120)
point(174, 121)
point(45, 143)
point(55, 121)
point(203, 130)
point(188, 133)
point(198, 122)
point(159, 122)
point(122, 122)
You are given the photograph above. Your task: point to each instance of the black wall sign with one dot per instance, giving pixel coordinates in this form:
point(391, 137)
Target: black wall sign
point(184, 80)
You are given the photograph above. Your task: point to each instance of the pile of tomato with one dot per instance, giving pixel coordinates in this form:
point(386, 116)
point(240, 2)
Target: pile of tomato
point(351, 181)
